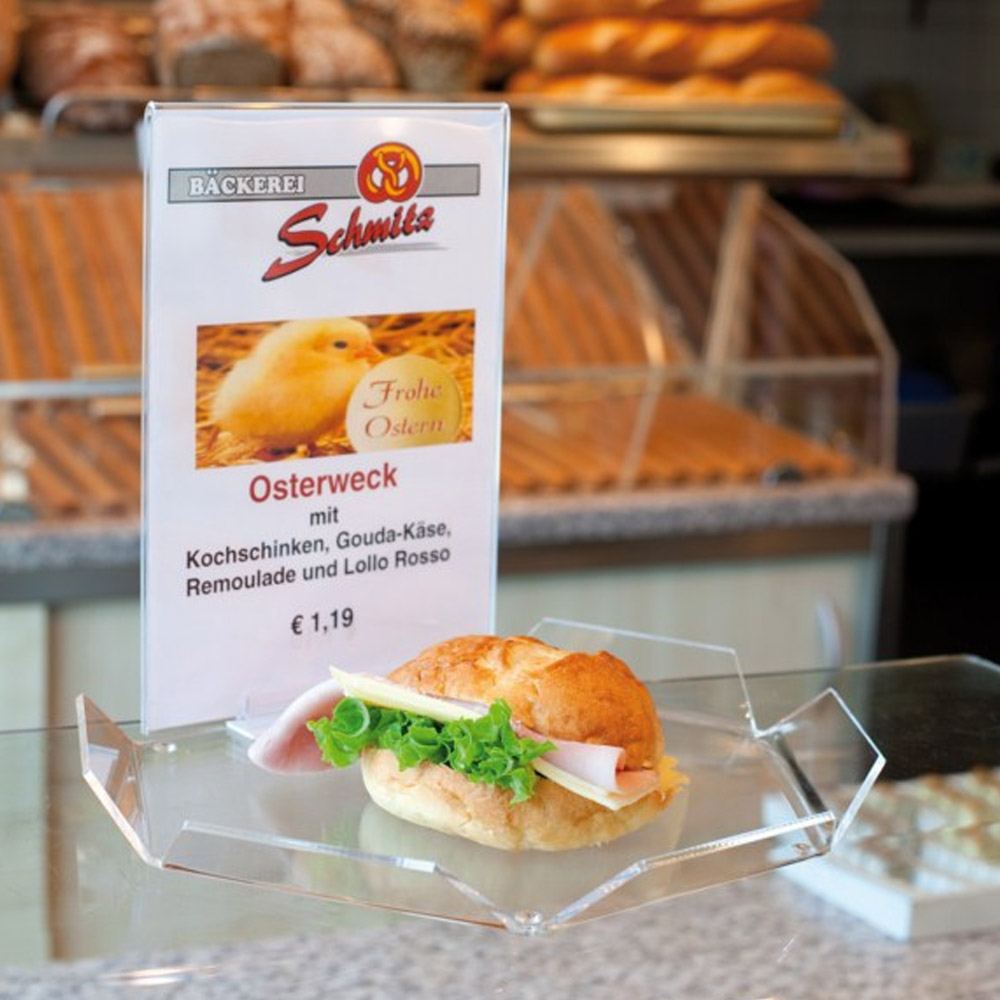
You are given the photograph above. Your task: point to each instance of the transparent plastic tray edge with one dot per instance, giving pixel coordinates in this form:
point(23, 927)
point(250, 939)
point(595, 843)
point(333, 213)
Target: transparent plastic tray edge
point(110, 760)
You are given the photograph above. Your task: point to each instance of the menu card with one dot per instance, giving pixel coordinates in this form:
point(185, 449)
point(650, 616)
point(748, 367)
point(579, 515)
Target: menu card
point(323, 344)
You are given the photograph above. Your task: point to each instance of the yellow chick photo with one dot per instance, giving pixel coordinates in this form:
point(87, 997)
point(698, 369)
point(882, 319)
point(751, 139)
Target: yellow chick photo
point(268, 391)
point(294, 386)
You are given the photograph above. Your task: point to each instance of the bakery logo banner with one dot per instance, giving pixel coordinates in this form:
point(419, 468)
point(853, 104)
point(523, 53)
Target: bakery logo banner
point(322, 373)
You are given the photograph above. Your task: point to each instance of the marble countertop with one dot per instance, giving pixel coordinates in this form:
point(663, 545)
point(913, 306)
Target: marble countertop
point(530, 520)
point(757, 938)
point(82, 916)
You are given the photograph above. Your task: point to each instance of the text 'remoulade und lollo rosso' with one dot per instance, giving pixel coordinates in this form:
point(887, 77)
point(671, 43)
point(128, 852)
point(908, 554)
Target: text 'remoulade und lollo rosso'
point(509, 742)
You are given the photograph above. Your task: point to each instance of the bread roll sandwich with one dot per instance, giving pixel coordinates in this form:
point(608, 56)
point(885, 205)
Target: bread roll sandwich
point(511, 743)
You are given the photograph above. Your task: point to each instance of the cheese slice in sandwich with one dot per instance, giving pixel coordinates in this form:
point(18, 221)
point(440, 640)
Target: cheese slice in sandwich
point(573, 764)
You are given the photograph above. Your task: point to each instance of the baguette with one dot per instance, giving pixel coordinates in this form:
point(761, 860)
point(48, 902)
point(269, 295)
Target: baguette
point(670, 49)
point(552, 11)
point(761, 87)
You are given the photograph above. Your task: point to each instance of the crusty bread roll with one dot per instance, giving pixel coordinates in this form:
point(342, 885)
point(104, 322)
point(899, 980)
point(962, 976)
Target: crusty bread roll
point(761, 87)
point(592, 698)
point(670, 48)
point(550, 11)
point(553, 819)
point(83, 46)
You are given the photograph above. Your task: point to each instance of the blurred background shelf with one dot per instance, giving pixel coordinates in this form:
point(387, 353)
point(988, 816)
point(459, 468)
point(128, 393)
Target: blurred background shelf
point(860, 149)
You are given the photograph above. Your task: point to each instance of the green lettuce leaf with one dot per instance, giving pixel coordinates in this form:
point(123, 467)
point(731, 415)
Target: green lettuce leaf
point(486, 749)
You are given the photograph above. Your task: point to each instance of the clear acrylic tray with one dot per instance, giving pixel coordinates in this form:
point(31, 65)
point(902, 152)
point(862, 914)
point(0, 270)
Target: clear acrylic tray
point(759, 797)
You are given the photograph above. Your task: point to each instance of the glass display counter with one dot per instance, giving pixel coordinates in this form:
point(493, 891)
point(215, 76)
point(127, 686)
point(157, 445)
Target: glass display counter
point(82, 915)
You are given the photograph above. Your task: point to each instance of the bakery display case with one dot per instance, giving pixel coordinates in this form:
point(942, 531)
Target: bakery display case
point(699, 441)
point(682, 333)
point(699, 396)
point(701, 72)
point(690, 333)
point(698, 419)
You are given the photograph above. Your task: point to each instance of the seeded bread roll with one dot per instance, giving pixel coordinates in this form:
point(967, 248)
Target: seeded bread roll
point(83, 46)
point(221, 42)
point(439, 43)
point(341, 56)
point(327, 49)
point(376, 16)
point(590, 698)
point(670, 49)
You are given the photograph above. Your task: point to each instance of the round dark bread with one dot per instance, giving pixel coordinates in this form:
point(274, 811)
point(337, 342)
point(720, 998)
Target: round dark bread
point(586, 697)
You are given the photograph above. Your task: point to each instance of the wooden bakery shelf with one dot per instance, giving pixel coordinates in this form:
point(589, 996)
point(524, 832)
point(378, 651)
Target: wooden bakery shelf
point(691, 333)
point(549, 139)
point(706, 146)
point(670, 335)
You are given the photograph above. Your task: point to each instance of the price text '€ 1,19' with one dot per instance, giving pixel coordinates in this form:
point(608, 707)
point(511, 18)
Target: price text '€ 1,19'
point(319, 622)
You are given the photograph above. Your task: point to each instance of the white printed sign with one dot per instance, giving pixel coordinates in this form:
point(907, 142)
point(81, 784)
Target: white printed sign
point(324, 298)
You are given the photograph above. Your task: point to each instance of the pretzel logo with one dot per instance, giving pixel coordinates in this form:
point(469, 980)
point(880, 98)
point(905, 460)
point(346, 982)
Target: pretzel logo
point(389, 172)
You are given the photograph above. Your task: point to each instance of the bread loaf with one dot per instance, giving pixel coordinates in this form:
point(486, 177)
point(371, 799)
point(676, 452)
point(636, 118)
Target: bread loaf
point(761, 87)
point(327, 49)
point(81, 46)
point(551, 11)
point(318, 13)
point(510, 46)
point(376, 16)
point(670, 48)
point(439, 43)
point(221, 42)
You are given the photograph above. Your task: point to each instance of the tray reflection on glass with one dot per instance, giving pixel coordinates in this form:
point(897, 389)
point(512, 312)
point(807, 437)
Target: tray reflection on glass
point(190, 799)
